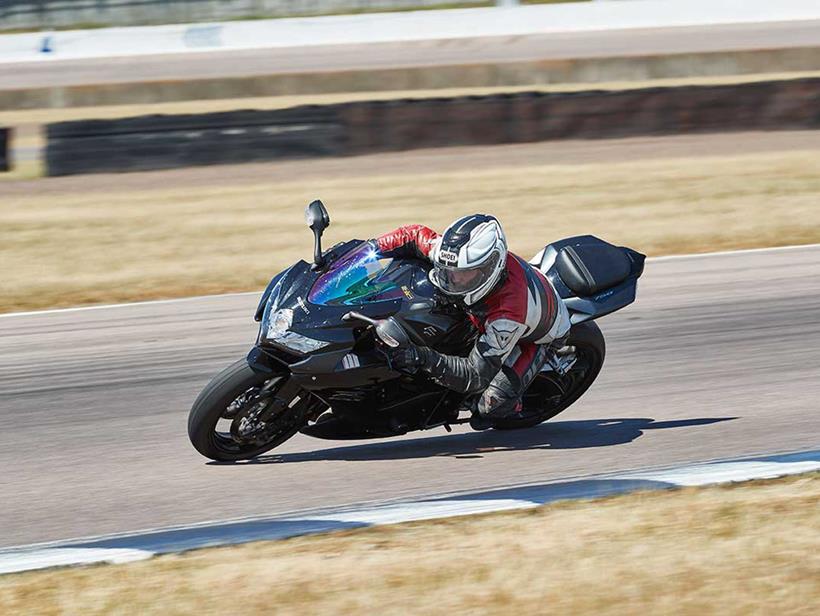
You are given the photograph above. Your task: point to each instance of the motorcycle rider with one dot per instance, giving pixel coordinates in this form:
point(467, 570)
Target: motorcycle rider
point(519, 316)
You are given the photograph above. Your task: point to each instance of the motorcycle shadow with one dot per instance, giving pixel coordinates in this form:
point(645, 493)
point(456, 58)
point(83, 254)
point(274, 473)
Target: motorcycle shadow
point(551, 435)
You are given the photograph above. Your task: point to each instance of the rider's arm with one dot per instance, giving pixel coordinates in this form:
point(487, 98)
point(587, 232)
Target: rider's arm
point(411, 241)
point(473, 373)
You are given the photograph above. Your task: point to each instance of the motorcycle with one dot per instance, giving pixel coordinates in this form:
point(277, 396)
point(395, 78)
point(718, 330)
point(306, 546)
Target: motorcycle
point(318, 365)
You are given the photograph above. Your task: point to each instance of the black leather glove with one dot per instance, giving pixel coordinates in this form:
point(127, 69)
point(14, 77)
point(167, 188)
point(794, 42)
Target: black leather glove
point(405, 359)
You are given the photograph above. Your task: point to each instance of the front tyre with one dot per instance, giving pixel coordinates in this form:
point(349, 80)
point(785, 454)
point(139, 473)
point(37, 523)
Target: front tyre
point(232, 418)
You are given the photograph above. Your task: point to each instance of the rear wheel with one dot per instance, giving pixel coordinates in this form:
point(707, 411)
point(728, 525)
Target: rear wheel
point(242, 413)
point(551, 393)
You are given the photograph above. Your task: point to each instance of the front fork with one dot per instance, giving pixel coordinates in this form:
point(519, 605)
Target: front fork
point(264, 364)
point(282, 398)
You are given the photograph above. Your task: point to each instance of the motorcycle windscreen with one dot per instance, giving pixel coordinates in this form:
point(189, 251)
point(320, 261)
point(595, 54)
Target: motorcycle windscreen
point(362, 276)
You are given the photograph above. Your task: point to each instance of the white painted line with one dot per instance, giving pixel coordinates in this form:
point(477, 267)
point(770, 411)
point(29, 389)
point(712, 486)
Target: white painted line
point(63, 557)
point(697, 255)
point(150, 302)
point(724, 472)
point(741, 252)
point(430, 510)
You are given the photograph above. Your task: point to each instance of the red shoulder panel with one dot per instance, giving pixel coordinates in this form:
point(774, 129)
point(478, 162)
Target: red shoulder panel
point(510, 300)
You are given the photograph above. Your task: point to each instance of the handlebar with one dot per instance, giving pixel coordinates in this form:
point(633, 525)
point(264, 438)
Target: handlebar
point(388, 330)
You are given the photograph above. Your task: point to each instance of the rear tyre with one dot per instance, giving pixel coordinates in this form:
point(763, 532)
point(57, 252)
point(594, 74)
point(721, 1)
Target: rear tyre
point(549, 394)
point(235, 393)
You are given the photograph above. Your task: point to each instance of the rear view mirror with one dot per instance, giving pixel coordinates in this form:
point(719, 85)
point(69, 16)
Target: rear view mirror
point(316, 216)
point(318, 220)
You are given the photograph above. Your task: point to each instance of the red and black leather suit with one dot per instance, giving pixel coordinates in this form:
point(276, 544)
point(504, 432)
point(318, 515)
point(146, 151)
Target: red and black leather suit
point(517, 321)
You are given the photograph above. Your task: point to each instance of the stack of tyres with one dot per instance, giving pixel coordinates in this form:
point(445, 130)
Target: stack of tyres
point(170, 141)
point(5, 158)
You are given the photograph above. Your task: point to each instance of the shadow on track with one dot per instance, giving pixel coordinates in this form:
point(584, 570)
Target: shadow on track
point(551, 435)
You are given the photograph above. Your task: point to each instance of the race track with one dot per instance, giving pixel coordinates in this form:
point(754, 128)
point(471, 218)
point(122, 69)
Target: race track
point(719, 357)
point(555, 46)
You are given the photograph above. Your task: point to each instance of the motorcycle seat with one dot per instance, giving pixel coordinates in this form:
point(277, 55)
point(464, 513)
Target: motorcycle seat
point(589, 268)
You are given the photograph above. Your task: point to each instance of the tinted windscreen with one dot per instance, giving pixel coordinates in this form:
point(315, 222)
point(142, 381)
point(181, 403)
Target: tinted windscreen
point(359, 277)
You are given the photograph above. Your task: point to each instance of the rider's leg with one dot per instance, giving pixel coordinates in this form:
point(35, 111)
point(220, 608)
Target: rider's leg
point(503, 396)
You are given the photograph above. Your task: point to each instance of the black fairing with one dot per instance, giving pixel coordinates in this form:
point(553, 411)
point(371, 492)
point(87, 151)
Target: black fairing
point(349, 372)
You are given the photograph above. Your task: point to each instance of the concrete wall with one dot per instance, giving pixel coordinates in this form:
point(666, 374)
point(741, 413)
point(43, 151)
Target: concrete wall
point(162, 142)
point(82, 13)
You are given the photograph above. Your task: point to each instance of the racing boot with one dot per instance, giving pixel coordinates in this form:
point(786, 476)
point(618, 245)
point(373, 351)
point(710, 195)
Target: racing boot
point(477, 421)
point(485, 420)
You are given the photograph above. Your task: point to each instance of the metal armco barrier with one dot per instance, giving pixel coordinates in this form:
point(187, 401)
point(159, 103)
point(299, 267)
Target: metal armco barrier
point(160, 142)
point(5, 138)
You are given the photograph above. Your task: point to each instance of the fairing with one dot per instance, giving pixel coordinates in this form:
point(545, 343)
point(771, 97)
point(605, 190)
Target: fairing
point(357, 278)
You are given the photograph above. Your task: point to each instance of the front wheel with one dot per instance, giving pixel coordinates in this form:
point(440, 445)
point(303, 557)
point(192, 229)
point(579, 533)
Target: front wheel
point(550, 393)
point(242, 413)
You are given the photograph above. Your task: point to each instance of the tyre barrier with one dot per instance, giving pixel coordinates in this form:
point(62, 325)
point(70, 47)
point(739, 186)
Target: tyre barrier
point(170, 141)
point(5, 138)
point(161, 142)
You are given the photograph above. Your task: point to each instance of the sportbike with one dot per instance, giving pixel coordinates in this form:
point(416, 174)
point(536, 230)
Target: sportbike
point(318, 366)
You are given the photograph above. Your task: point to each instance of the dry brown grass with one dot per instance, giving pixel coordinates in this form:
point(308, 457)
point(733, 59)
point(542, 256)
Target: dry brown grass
point(63, 245)
point(748, 549)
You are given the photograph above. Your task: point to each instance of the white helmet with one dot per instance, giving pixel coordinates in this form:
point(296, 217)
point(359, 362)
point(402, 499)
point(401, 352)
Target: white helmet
point(470, 258)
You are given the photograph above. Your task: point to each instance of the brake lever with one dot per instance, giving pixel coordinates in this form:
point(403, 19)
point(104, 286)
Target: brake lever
point(388, 330)
point(358, 316)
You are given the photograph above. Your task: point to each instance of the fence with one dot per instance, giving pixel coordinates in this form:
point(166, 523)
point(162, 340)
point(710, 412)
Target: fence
point(161, 142)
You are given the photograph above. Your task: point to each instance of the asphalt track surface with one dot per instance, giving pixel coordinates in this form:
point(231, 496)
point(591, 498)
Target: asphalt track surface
point(557, 46)
point(719, 357)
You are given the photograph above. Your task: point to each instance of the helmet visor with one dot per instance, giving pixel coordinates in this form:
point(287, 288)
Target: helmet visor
point(464, 280)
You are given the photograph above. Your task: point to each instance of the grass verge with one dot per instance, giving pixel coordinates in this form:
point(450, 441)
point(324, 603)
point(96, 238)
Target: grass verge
point(751, 548)
point(143, 236)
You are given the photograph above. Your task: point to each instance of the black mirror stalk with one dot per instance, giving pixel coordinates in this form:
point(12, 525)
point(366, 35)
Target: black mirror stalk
point(318, 259)
point(318, 220)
